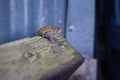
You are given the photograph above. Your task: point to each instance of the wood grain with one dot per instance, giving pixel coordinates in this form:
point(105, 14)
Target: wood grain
point(38, 59)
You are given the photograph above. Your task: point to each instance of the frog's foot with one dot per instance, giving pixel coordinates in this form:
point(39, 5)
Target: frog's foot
point(57, 42)
point(51, 39)
point(55, 39)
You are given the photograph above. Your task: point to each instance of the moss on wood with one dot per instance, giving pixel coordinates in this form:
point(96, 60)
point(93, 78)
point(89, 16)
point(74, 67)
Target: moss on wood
point(34, 58)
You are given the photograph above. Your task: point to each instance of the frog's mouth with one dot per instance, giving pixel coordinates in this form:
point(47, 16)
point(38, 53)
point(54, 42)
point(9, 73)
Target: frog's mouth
point(59, 30)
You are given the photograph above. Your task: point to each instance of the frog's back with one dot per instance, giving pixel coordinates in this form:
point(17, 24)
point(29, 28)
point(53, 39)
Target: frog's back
point(45, 29)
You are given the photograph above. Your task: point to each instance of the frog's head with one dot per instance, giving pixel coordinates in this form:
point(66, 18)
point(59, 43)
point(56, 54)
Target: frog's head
point(58, 29)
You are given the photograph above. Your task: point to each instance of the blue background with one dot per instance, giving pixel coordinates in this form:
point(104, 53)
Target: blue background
point(22, 18)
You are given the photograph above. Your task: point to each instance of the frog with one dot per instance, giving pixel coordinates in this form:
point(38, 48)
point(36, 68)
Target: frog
point(49, 32)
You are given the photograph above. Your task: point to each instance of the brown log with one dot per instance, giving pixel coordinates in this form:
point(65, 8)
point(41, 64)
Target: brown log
point(38, 59)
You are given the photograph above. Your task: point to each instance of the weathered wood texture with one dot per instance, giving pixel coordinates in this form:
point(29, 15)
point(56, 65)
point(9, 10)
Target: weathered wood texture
point(87, 71)
point(37, 59)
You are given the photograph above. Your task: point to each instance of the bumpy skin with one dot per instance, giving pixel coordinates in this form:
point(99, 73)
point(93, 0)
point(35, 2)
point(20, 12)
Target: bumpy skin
point(49, 32)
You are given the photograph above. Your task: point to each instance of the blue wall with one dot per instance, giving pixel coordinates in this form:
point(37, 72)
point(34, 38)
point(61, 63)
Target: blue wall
point(21, 18)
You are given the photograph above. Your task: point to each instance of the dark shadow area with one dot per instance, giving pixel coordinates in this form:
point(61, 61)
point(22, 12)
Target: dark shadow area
point(107, 39)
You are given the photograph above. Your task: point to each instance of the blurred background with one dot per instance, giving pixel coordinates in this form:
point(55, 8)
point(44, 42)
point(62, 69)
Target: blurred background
point(92, 27)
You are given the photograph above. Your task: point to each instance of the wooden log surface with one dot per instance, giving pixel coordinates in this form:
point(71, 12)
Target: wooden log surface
point(38, 59)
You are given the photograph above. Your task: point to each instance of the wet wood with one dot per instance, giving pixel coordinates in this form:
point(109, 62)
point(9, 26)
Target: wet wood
point(38, 59)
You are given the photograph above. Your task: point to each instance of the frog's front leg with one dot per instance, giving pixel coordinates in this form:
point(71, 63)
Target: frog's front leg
point(51, 39)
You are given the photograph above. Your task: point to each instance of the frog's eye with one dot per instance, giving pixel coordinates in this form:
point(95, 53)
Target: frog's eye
point(58, 28)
